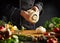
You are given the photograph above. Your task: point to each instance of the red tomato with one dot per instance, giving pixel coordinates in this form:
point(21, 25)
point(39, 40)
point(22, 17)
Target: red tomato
point(2, 28)
point(56, 30)
point(47, 34)
point(52, 40)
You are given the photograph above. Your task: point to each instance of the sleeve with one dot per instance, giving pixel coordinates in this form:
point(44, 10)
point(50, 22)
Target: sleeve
point(39, 5)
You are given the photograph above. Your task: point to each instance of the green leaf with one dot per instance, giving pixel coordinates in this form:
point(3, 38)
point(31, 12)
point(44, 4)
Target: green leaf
point(55, 21)
point(10, 41)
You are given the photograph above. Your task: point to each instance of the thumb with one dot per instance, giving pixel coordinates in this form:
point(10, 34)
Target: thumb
point(24, 14)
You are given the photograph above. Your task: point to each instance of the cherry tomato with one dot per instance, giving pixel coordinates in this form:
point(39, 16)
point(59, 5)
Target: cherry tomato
point(47, 34)
point(52, 40)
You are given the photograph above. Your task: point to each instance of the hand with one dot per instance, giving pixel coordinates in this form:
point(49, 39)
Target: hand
point(31, 15)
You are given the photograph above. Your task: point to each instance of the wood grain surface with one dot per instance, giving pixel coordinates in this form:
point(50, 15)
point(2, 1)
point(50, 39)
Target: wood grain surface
point(29, 33)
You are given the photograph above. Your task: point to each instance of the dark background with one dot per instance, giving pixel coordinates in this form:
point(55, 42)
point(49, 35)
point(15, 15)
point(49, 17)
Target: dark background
point(51, 9)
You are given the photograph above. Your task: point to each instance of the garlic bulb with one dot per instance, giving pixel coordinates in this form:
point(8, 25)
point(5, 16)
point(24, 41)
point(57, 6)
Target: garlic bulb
point(40, 29)
point(51, 25)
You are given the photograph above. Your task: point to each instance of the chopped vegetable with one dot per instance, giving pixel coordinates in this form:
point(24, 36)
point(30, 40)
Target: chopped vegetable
point(40, 29)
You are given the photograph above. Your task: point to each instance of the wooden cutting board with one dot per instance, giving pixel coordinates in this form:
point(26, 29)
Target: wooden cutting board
point(29, 33)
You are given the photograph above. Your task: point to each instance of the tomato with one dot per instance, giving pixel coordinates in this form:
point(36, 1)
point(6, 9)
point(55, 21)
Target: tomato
point(47, 34)
point(52, 40)
point(56, 30)
point(2, 28)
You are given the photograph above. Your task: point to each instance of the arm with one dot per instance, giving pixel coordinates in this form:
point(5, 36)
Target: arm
point(39, 5)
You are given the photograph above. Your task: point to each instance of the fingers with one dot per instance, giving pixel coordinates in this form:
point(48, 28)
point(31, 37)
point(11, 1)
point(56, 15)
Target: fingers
point(24, 13)
point(35, 9)
point(31, 15)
